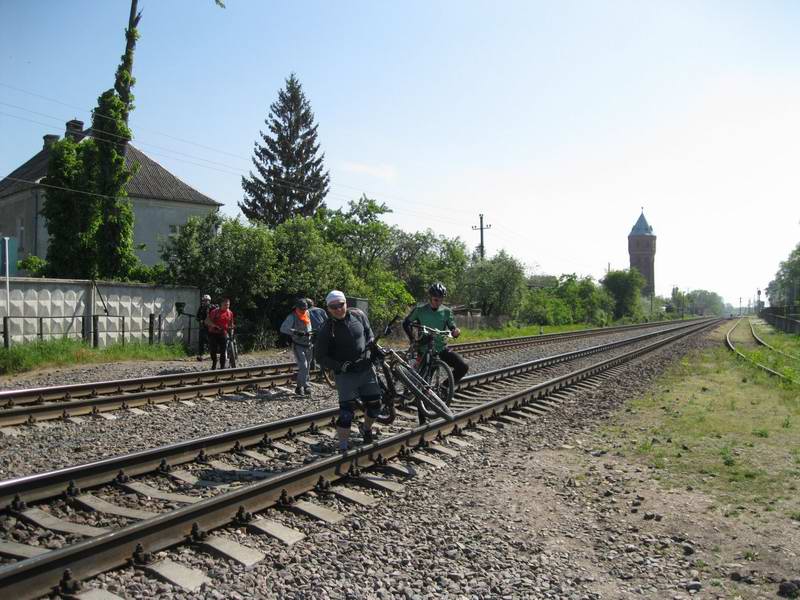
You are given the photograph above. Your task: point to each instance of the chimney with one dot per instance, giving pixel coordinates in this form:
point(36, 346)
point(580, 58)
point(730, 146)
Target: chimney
point(49, 140)
point(74, 130)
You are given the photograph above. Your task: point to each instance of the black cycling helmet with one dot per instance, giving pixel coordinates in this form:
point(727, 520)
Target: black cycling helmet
point(437, 289)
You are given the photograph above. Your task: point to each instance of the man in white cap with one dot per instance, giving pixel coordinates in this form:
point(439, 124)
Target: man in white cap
point(341, 345)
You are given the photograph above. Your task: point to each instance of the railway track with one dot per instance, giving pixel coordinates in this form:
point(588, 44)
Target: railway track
point(729, 342)
point(280, 464)
point(28, 406)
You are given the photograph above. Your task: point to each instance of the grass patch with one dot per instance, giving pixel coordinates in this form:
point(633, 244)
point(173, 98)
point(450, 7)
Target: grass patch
point(477, 335)
point(714, 423)
point(35, 355)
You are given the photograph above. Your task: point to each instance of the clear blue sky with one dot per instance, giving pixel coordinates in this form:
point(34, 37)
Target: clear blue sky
point(557, 120)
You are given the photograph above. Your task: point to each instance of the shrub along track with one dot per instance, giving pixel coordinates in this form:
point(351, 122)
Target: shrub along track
point(286, 471)
point(27, 406)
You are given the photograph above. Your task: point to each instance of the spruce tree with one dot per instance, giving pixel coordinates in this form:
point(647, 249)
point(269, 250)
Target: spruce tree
point(289, 178)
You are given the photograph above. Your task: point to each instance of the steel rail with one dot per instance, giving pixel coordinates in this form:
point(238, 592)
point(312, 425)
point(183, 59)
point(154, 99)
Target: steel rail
point(36, 576)
point(737, 352)
point(62, 393)
point(53, 483)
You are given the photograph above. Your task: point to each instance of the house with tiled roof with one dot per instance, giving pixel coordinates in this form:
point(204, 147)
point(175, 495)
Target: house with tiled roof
point(161, 202)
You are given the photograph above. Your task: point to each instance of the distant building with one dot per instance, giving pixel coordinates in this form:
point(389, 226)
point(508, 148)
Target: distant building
point(161, 202)
point(642, 251)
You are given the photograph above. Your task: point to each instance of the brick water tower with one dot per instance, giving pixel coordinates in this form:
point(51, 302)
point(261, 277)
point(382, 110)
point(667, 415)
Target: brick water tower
point(642, 250)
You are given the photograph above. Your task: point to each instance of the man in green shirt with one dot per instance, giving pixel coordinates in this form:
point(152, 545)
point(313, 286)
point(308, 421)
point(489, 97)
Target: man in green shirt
point(434, 314)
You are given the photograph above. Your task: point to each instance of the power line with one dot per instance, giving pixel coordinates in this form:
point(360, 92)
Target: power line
point(199, 145)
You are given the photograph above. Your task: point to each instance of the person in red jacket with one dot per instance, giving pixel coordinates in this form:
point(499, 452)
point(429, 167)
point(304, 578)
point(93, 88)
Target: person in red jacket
point(220, 327)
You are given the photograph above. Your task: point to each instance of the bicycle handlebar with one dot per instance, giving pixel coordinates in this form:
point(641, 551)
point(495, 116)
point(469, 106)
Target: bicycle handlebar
point(425, 329)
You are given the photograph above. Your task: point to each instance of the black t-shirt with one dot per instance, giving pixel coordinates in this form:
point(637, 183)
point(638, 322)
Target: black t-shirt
point(343, 340)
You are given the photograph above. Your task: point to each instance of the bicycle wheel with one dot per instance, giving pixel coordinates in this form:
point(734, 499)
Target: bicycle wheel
point(233, 353)
point(423, 391)
point(328, 377)
point(442, 381)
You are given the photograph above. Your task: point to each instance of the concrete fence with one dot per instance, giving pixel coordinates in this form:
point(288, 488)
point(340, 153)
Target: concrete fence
point(101, 312)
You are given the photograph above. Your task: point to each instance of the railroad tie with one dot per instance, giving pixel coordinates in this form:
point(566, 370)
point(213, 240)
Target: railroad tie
point(176, 574)
point(458, 442)
point(428, 460)
point(378, 483)
point(397, 468)
point(280, 532)
point(151, 492)
point(96, 504)
point(485, 428)
point(256, 456)
point(316, 511)
point(92, 594)
point(186, 477)
point(20, 551)
point(510, 420)
point(221, 546)
point(353, 496)
point(442, 450)
point(47, 521)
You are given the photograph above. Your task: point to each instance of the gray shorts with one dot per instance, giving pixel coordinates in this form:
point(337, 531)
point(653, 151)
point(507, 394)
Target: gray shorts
point(357, 385)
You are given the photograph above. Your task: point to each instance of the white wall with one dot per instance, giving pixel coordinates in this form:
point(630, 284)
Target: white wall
point(64, 302)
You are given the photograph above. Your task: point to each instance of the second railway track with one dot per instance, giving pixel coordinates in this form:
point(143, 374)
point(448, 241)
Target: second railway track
point(74, 400)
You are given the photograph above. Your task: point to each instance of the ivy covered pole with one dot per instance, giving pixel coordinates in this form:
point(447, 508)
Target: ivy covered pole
point(125, 80)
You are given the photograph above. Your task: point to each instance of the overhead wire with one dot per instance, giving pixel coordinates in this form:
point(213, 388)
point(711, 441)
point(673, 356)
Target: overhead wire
point(210, 148)
point(232, 170)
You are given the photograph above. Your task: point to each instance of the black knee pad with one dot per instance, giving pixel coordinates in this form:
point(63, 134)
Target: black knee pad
point(347, 410)
point(372, 406)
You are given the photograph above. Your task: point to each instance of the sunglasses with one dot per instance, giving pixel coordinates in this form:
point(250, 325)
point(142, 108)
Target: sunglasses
point(336, 306)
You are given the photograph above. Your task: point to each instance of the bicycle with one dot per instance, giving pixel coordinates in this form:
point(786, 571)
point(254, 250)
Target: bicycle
point(428, 364)
point(232, 350)
point(393, 367)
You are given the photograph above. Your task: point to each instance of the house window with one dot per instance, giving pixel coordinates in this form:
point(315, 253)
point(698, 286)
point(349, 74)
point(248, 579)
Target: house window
point(173, 229)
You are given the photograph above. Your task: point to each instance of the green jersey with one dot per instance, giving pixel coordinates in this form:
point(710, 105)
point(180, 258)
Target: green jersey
point(437, 319)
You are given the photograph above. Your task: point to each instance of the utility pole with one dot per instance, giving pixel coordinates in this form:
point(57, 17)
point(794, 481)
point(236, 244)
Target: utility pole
point(740, 306)
point(482, 227)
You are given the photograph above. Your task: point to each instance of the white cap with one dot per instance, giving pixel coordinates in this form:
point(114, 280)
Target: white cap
point(335, 296)
point(206, 297)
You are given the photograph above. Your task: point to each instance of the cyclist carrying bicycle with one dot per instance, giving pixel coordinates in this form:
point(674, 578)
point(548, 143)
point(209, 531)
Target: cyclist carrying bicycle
point(437, 316)
point(340, 346)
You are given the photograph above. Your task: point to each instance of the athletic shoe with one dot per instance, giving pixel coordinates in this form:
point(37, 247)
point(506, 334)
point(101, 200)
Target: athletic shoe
point(298, 391)
point(366, 435)
point(307, 391)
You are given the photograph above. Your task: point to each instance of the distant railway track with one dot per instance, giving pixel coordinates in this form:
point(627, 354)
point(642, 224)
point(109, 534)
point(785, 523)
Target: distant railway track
point(80, 399)
point(732, 346)
point(513, 395)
